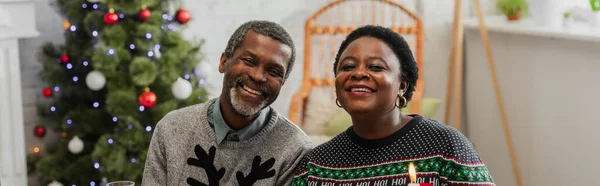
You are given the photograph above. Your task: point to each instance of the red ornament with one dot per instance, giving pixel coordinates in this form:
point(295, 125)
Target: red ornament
point(183, 16)
point(64, 58)
point(144, 14)
point(147, 99)
point(47, 92)
point(111, 18)
point(39, 131)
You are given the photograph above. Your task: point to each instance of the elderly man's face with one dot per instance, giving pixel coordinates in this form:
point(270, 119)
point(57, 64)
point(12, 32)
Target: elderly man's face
point(254, 73)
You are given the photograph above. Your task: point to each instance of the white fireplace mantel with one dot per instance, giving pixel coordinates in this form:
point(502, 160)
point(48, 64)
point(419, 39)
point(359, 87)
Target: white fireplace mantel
point(17, 21)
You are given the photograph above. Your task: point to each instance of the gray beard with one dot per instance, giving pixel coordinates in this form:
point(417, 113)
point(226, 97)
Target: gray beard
point(243, 108)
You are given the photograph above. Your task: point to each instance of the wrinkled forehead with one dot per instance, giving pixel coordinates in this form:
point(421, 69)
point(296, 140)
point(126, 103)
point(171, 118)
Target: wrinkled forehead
point(265, 48)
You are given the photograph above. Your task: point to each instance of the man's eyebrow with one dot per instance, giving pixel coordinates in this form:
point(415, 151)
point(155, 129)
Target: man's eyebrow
point(248, 53)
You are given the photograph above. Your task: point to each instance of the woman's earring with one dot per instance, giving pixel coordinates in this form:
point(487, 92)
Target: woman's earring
point(399, 98)
point(337, 102)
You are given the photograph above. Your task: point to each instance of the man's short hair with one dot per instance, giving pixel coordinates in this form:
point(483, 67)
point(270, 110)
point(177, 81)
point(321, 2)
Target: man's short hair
point(266, 28)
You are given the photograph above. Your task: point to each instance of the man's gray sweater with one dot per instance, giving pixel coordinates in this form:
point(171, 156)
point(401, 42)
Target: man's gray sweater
point(184, 151)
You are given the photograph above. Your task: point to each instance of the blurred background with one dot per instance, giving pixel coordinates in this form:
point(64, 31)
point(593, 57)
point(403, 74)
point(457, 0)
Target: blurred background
point(544, 54)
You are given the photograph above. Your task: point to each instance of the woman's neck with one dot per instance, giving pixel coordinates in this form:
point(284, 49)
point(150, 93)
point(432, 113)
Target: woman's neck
point(378, 125)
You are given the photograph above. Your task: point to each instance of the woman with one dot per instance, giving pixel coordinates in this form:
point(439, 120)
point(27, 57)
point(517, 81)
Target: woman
point(375, 76)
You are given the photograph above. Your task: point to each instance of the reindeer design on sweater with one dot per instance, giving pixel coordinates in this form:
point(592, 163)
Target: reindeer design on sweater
point(206, 161)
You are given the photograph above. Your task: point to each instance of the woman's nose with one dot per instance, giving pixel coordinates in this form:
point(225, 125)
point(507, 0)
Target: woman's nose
point(359, 74)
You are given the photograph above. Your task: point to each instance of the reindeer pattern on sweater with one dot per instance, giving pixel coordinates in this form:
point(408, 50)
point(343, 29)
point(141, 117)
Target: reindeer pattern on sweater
point(260, 170)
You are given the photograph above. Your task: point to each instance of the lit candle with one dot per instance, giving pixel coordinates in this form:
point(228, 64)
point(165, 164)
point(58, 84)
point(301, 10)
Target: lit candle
point(412, 174)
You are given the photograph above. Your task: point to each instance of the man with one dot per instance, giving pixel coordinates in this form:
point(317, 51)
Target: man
point(237, 138)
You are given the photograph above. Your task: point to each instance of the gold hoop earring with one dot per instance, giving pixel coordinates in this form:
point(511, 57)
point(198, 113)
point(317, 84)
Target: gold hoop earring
point(337, 102)
point(398, 102)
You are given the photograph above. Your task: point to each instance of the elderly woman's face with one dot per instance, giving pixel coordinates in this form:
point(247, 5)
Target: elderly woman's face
point(368, 76)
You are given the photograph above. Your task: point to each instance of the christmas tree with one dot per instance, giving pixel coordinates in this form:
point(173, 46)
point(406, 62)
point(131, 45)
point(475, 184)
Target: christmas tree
point(123, 65)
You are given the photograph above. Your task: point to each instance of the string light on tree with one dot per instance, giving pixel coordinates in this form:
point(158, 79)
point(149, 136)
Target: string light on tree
point(75, 145)
point(73, 28)
point(110, 52)
point(66, 24)
point(36, 149)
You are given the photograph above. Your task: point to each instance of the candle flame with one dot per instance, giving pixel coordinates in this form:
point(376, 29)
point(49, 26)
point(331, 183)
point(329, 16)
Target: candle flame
point(412, 173)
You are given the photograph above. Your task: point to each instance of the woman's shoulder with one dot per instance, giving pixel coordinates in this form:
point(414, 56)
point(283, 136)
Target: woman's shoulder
point(439, 128)
point(457, 144)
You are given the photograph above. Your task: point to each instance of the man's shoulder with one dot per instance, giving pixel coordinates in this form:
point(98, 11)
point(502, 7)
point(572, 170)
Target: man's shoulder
point(184, 116)
point(291, 132)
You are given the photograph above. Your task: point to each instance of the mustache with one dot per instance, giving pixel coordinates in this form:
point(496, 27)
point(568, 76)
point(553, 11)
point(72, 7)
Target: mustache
point(254, 85)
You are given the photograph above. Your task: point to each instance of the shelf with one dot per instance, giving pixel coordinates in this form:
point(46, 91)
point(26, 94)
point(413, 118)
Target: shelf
point(6, 34)
point(525, 26)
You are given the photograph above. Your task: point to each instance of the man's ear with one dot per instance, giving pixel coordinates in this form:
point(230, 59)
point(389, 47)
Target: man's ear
point(222, 63)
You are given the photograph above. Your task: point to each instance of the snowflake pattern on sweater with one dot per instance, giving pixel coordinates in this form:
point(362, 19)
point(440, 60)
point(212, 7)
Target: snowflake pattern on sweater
point(441, 155)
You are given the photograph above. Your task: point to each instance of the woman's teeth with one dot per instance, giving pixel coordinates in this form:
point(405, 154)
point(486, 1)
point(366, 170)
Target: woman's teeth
point(360, 90)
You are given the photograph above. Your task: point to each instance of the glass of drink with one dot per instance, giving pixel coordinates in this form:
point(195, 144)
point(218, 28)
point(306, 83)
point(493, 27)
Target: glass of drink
point(121, 183)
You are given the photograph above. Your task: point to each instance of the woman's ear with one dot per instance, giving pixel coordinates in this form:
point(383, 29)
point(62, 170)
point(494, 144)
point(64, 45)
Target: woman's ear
point(403, 87)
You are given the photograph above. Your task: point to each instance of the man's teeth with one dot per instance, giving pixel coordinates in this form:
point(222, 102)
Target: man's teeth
point(251, 90)
point(361, 90)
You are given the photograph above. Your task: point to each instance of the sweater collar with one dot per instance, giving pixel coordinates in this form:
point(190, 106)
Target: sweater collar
point(224, 132)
